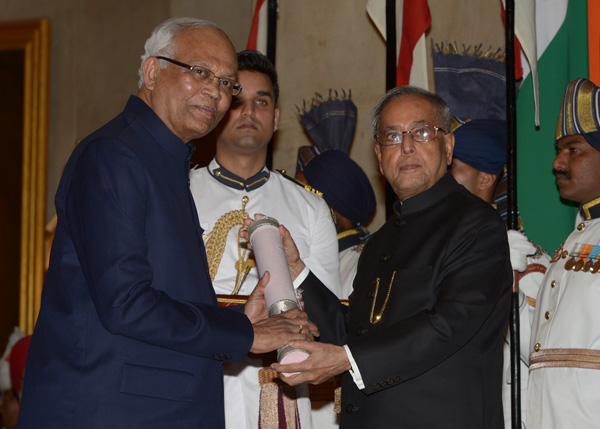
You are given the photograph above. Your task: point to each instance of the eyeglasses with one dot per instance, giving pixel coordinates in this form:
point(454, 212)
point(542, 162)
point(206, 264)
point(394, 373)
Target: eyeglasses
point(205, 75)
point(419, 134)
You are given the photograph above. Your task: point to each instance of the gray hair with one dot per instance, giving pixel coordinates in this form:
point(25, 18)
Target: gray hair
point(161, 41)
point(440, 107)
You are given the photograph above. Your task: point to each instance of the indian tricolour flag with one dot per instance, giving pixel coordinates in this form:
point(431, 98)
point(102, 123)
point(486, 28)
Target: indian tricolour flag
point(561, 50)
point(257, 40)
point(412, 20)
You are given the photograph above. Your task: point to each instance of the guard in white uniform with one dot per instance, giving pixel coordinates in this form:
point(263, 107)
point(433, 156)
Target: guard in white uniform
point(478, 163)
point(234, 186)
point(564, 383)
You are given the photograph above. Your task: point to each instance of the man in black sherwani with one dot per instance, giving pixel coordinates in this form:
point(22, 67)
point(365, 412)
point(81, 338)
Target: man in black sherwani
point(420, 344)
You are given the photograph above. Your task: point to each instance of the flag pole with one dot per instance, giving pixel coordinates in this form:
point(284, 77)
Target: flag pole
point(390, 81)
point(512, 218)
point(271, 29)
point(271, 48)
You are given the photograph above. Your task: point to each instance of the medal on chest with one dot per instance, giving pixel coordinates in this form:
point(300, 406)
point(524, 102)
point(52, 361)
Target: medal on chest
point(584, 257)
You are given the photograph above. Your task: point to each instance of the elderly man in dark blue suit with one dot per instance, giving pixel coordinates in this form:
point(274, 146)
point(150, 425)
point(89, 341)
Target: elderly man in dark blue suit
point(130, 333)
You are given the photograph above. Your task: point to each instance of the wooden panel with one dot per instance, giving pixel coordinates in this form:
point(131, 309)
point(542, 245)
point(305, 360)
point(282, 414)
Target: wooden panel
point(31, 38)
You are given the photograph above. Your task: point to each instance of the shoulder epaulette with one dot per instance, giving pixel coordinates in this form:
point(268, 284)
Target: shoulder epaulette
point(299, 183)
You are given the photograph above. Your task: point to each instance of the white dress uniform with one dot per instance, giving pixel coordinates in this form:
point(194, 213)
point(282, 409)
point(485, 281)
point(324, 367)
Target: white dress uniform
point(351, 243)
point(348, 263)
point(529, 285)
point(309, 221)
point(564, 381)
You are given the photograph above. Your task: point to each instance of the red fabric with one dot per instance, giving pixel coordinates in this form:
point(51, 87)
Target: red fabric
point(252, 42)
point(416, 19)
point(227, 300)
point(518, 66)
point(17, 359)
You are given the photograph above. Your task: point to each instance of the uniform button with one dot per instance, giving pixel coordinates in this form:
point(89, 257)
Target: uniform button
point(553, 283)
point(390, 382)
point(370, 294)
point(547, 315)
point(581, 226)
point(384, 257)
point(377, 386)
point(564, 254)
point(397, 379)
point(537, 347)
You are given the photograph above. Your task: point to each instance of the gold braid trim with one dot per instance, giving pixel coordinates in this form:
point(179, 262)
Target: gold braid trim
point(337, 400)
point(276, 398)
point(565, 358)
point(216, 241)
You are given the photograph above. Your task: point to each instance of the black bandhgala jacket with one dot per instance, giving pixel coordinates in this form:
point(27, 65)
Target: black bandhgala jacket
point(434, 359)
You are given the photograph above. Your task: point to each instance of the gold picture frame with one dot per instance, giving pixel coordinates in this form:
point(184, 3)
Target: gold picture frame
point(30, 40)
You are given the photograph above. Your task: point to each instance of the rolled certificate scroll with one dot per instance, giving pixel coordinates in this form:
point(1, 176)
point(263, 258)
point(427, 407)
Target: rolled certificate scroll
point(280, 295)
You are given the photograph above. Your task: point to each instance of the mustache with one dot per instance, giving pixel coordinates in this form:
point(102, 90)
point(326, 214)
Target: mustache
point(562, 173)
point(251, 121)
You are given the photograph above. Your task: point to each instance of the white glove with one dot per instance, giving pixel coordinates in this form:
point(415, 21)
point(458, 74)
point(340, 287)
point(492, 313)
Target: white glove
point(520, 248)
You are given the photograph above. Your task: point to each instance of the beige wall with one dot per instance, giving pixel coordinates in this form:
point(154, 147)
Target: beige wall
point(95, 54)
point(96, 46)
point(322, 46)
point(95, 51)
point(333, 44)
point(233, 16)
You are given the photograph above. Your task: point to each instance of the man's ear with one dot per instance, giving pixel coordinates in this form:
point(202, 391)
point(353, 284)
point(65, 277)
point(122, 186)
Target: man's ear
point(150, 71)
point(377, 149)
point(276, 119)
point(486, 181)
point(449, 147)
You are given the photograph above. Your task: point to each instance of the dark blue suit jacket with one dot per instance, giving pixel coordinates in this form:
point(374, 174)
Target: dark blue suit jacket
point(129, 333)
